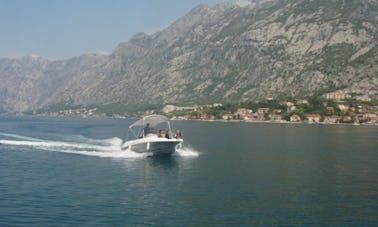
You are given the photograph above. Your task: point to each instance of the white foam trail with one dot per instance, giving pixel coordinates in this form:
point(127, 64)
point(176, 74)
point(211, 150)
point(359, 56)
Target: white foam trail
point(111, 154)
point(186, 152)
point(109, 148)
point(19, 137)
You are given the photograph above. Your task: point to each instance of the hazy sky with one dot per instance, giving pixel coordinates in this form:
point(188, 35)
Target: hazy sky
point(58, 29)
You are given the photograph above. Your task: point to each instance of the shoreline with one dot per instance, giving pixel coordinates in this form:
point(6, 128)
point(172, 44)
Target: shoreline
point(276, 122)
point(199, 120)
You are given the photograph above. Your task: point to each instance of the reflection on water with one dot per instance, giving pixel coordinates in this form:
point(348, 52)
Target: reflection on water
point(162, 162)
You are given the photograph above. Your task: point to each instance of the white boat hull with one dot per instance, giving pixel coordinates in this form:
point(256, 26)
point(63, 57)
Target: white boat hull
point(153, 145)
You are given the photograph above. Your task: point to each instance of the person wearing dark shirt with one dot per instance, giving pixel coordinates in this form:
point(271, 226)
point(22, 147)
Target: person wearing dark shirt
point(147, 129)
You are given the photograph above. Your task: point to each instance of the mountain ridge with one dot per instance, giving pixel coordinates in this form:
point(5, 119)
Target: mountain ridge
point(226, 52)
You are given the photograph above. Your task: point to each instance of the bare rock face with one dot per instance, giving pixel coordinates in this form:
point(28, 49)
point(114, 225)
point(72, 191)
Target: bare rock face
point(226, 52)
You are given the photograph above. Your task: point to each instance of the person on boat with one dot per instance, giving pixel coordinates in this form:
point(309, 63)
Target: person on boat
point(161, 133)
point(178, 134)
point(147, 129)
point(167, 134)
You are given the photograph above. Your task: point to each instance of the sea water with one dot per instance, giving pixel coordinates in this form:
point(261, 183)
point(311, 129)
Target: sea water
point(71, 171)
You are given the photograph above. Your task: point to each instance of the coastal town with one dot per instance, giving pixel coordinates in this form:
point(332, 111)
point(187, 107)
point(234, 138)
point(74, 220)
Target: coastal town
point(331, 108)
point(334, 108)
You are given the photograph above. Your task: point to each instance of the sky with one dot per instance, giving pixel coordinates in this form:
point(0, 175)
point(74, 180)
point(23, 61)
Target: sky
point(60, 29)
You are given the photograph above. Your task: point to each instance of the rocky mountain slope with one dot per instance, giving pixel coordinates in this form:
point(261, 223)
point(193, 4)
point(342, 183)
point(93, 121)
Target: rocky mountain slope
point(227, 52)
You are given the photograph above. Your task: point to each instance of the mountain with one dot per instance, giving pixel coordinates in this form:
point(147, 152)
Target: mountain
point(226, 52)
point(30, 83)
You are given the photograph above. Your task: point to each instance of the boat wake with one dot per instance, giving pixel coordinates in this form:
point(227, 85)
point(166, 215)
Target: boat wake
point(186, 152)
point(107, 148)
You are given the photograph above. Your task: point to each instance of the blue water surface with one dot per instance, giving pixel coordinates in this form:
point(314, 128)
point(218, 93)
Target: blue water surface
point(72, 172)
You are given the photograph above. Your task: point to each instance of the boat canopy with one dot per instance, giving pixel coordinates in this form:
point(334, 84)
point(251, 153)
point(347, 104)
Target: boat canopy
point(152, 120)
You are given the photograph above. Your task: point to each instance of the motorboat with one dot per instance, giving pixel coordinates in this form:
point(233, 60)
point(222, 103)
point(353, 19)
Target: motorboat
point(152, 134)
